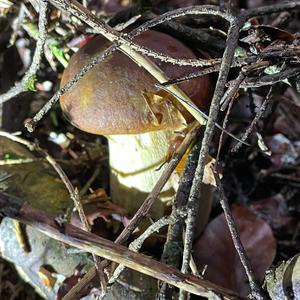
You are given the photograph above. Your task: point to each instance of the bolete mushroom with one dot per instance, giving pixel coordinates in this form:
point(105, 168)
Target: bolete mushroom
point(118, 99)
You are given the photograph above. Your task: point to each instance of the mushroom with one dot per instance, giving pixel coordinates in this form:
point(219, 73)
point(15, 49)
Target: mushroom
point(118, 99)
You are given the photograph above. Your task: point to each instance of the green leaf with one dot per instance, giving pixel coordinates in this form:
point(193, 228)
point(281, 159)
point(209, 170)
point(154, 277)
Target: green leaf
point(59, 54)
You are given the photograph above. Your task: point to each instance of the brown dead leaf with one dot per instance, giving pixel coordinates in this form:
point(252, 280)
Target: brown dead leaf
point(102, 210)
point(274, 210)
point(215, 250)
point(283, 151)
point(98, 193)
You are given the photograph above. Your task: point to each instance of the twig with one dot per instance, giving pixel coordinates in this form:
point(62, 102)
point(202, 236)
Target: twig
point(87, 185)
point(270, 79)
point(200, 112)
point(124, 45)
point(256, 290)
point(201, 36)
point(12, 207)
point(17, 161)
point(222, 133)
point(137, 243)
point(173, 246)
point(193, 75)
point(74, 195)
point(271, 9)
point(195, 193)
point(231, 91)
point(30, 75)
point(31, 123)
point(258, 116)
point(127, 46)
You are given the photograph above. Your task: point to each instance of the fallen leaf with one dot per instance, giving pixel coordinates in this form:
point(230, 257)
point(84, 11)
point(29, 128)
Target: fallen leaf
point(282, 149)
point(274, 210)
point(102, 209)
point(215, 250)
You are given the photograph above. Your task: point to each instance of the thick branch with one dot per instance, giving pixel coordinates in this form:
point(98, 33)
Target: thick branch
point(11, 207)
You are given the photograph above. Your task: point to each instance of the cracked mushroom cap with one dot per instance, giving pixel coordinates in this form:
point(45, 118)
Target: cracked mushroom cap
point(119, 97)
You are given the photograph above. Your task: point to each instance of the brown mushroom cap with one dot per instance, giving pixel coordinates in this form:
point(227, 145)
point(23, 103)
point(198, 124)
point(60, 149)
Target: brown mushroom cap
point(119, 97)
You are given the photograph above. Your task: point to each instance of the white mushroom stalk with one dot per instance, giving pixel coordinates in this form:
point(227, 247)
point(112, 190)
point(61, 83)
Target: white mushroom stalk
point(135, 161)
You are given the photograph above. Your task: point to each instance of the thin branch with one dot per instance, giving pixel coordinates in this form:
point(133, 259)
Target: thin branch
point(231, 91)
point(270, 9)
point(12, 207)
point(84, 15)
point(258, 116)
point(222, 133)
point(30, 75)
point(74, 195)
point(256, 290)
point(137, 243)
point(87, 185)
point(126, 46)
point(173, 246)
point(270, 79)
point(31, 123)
point(193, 75)
point(195, 193)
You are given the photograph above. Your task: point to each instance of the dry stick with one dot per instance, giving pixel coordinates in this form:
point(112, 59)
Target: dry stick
point(144, 209)
point(29, 76)
point(74, 194)
point(270, 9)
point(30, 124)
point(87, 185)
point(173, 246)
point(256, 294)
point(72, 191)
point(282, 54)
point(231, 91)
point(270, 79)
point(195, 193)
point(137, 243)
point(129, 48)
point(193, 75)
point(222, 133)
point(12, 207)
point(258, 116)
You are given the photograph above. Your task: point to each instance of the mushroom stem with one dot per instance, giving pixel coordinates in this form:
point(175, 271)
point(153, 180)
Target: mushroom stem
point(134, 160)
